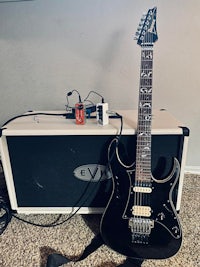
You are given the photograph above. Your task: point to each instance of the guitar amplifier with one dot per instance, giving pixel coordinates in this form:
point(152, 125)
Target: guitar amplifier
point(52, 165)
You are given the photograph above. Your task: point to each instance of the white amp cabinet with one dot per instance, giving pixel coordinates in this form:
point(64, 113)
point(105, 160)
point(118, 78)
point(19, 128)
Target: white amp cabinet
point(52, 165)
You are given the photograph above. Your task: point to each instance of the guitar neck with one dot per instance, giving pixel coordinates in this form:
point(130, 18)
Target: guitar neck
point(143, 150)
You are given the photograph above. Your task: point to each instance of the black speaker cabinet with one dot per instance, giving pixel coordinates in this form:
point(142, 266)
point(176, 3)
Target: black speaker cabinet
point(52, 165)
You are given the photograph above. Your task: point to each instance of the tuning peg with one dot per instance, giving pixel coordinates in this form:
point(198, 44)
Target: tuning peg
point(136, 36)
point(143, 17)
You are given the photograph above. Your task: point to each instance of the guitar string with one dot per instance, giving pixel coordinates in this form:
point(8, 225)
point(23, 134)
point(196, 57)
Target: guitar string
point(139, 165)
point(148, 124)
point(143, 152)
point(149, 66)
point(145, 110)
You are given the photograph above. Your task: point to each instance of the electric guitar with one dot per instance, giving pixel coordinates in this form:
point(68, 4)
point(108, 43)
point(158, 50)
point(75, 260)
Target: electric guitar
point(140, 220)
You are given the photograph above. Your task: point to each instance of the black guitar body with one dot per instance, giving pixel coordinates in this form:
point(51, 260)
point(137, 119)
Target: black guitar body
point(165, 238)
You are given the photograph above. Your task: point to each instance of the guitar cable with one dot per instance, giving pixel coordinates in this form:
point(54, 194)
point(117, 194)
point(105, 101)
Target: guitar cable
point(84, 193)
point(5, 209)
point(6, 212)
point(117, 140)
point(71, 214)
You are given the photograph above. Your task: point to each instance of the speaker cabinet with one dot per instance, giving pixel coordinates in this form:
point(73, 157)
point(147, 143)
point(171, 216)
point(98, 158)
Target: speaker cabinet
point(52, 165)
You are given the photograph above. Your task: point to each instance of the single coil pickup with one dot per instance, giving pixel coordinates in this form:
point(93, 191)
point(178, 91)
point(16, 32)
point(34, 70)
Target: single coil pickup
point(144, 211)
point(142, 189)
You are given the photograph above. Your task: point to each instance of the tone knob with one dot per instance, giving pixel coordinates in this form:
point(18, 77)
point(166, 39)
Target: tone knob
point(161, 216)
point(175, 229)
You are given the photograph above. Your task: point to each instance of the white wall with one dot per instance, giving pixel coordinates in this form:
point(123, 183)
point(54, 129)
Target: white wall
point(49, 47)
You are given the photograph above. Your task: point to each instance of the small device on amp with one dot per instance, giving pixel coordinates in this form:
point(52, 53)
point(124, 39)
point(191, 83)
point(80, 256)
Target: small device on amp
point(80, 113)
point(102, 113)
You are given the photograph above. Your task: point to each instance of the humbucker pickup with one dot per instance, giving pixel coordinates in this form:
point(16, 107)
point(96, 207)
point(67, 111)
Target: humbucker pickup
point(144, 211)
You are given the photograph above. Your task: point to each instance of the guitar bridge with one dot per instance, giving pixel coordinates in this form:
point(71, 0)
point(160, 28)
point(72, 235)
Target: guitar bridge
point(140, 229)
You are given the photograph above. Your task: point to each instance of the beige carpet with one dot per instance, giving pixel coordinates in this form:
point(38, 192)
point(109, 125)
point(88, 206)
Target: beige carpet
point(23, 245)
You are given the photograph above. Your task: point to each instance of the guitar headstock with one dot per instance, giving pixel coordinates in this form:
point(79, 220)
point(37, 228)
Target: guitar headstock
point(146, 33)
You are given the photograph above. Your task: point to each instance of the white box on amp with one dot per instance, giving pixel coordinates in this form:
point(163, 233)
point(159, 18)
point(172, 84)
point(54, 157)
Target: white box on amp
point(52, 165)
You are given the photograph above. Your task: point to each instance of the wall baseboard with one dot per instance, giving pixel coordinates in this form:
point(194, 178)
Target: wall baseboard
point(192, 169)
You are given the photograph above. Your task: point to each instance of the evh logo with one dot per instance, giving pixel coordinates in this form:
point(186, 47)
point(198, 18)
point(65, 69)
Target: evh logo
point(92, 172)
